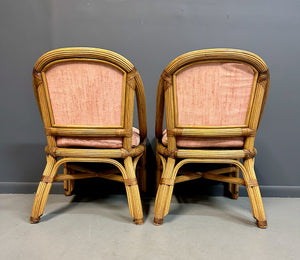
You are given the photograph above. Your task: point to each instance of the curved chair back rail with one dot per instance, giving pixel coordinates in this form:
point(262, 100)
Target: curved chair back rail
point(239, 77)
point(89, 71)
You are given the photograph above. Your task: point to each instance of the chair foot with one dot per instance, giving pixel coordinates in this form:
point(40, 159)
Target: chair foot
point(234, 196)
point(139, 221)
point(35, 220)
point(158, 221)
point(262, 223)
point(68, 193)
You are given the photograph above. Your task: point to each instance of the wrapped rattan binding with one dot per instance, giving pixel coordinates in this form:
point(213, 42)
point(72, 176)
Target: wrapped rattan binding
point(130, 182)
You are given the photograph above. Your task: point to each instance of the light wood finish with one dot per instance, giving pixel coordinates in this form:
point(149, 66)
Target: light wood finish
point(68, 183)
point(171, 158)
point(125, 160)
point(234, 187)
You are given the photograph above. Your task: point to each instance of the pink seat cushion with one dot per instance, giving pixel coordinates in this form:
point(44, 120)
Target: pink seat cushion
point(100, 142)
point(192, 142)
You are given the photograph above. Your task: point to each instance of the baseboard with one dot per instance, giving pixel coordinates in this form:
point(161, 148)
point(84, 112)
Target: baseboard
point(57, 188)
point(28, 187)
point(275, 191)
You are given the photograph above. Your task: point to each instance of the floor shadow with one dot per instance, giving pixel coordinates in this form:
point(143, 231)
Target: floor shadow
point(104, 199)
point(202, 192)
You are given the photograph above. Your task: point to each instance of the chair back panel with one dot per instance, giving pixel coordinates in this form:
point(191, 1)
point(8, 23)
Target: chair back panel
point(86, 93)
point(213, 94)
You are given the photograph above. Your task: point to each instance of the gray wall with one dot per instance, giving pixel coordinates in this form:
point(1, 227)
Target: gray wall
point(150, 34)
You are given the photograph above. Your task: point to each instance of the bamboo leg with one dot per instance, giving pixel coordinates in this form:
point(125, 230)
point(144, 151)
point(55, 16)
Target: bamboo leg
point(254, 195)
point(234, 188)
point(133, 194)
point(68, 184)
point(158, 171)
point(164, 193)
point(42, 192)
point(142, 173)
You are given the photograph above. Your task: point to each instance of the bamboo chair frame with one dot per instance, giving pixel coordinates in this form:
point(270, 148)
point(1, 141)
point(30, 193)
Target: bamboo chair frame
point(125, 159)
point(171, 158)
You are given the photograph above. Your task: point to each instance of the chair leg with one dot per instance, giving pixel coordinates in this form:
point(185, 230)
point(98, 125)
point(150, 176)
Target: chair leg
point(68, 184)
point(133, 194)
point(158, 171)
point(142, 173)
point(234, 188)
point(164, 193)
point(254, 195)
point(42, 191)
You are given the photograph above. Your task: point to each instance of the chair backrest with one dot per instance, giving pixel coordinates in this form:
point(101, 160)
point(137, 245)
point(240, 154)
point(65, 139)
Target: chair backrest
point(220, 89)
point(213, 94)
point(88, 92)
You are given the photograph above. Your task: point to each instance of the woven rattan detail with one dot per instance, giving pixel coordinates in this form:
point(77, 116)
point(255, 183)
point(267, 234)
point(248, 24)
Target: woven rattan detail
point(47, 179)
point(139, 221)
point(170, 133)
point(252, 183)
point(131, 78)
point(125, 153)
point(263, 76)
point(128, 133)
point(48, 131)
point(250, 154)
point(170, 154)
point(37, 78)
point(130, 182)
point(167, 80)
point(51, 151)
point(167, 181)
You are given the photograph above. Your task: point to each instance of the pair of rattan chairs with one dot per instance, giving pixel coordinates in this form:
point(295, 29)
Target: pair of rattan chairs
point(214, 101)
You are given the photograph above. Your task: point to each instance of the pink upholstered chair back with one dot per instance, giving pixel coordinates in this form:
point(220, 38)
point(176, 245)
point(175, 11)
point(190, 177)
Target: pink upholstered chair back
point(86, 93)
point(213, 94)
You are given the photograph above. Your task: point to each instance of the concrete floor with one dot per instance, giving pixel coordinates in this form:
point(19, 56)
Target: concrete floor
point(101, 228)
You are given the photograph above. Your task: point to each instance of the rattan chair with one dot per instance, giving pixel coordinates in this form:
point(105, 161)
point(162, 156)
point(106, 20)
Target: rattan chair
point(214, 101)
point(86, 100)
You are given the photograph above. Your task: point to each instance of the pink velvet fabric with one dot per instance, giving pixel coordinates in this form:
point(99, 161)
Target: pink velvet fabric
point(214, 94)
point(100, 142)
point(192, 142)
point(85, 93)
